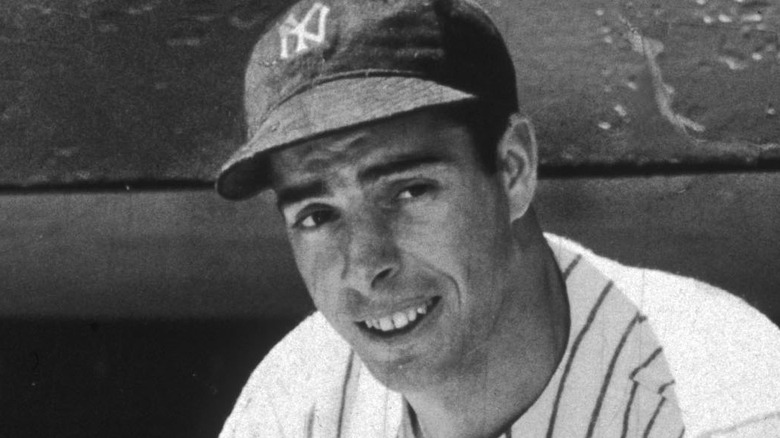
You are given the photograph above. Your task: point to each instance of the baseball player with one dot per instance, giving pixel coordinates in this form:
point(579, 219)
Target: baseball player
point(389, 132)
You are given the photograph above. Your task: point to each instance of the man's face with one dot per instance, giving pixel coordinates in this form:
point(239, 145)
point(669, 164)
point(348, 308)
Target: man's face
point(402, 240)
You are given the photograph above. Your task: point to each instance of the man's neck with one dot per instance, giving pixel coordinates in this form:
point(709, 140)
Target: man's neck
point(504, 378)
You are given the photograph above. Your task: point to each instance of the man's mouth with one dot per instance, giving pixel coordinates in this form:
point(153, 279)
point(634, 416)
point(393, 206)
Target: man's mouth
point(401, 321)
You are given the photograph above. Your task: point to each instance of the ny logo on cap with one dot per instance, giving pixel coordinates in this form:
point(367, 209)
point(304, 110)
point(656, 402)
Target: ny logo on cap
point(300, 30)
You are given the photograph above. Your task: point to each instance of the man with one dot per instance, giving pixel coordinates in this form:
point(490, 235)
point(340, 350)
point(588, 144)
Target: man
point(389, 132)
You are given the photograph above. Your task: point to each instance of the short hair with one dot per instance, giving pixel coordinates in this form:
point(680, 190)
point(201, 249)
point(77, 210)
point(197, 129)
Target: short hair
point(486, 125)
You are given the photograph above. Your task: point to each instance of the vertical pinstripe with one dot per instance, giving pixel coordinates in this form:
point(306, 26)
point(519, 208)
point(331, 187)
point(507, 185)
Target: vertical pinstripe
point(682, 432)
point(663, 387)
point(344, 388)
point(646, 363)
point(651, 423)
point(572, 265)
point(627, 413)
point(735, 427)
point(574, 348)
point(384, 419)
point(643, 365)
point(310, 423)
point(638, 318)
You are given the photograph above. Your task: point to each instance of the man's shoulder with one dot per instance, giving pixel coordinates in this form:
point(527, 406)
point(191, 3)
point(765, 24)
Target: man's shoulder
point(723, 353)
point(305, 357)
point(300, 371)
point(312, 344)
point(312, 384)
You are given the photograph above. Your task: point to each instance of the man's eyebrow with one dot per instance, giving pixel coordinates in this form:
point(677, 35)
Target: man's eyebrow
point(293, 194)
point(402, 163)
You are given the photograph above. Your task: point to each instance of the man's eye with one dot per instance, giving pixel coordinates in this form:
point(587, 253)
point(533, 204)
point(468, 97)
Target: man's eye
point(414, 191)
point(315, 219)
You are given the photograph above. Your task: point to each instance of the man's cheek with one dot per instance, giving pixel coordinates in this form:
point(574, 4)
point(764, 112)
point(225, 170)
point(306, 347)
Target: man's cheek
point(318, 267)
point(426, 225)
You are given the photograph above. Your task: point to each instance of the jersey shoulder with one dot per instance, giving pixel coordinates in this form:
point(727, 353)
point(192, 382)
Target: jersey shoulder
point(723, 353)
point(301, 371)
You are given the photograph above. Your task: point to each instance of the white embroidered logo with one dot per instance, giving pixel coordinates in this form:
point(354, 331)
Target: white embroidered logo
point(299, 29)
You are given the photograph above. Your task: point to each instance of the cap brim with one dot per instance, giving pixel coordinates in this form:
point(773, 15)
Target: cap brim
point(323, 109)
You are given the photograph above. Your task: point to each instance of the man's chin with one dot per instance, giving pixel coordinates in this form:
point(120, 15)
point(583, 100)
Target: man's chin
point(405, 376)
point(414, 372)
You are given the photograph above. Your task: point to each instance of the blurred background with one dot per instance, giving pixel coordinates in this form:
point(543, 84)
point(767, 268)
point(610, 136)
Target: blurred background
point(135, 302)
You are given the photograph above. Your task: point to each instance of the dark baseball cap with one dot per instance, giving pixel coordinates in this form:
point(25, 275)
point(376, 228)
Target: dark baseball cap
point(327, 65)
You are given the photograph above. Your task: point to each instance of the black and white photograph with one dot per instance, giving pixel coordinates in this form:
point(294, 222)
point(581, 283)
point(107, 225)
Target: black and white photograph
point(389, 218)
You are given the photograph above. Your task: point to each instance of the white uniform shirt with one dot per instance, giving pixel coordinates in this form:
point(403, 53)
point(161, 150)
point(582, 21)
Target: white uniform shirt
point(649, 354)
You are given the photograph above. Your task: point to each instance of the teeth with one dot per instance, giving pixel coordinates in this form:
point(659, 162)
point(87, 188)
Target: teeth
point(386, 324)
point(398, 320)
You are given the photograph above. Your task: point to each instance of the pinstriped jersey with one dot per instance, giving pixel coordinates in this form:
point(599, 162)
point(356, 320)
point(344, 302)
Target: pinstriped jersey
point(639, 362)
point(613, 380)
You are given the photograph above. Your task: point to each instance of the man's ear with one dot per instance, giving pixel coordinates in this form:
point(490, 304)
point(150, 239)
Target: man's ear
point(518, 160)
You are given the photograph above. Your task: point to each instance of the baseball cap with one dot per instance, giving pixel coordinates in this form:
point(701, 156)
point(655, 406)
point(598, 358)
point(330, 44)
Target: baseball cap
point(326, 65)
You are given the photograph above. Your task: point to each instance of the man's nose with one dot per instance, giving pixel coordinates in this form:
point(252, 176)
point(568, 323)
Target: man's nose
point(372, 256)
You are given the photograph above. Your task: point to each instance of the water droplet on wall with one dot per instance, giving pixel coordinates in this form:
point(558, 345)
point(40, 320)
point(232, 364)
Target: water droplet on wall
point(65, 152)
point(189, 42)
point(243, 24)
point(605, 125)
point(733, 62)
point(631, 83)
point(107, 28)
point(206, 18)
